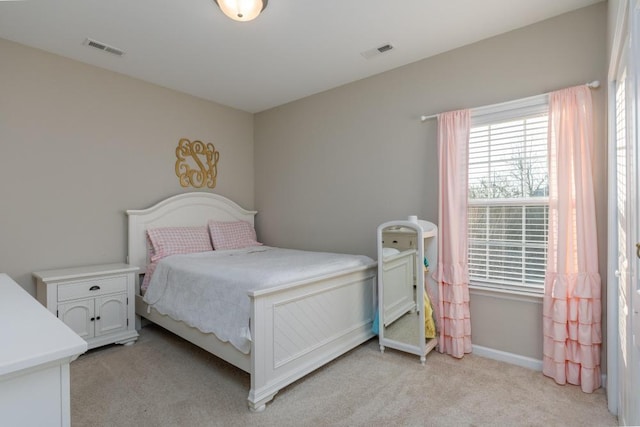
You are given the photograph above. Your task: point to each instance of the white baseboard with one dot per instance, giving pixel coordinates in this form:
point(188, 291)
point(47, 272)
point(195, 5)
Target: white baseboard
point(516, 359)
point(503, 356)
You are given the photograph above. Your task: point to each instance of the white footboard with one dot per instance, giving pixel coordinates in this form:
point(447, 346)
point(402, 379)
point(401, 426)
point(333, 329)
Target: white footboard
point(398, 280)
point(305, 325)
point(300, 327)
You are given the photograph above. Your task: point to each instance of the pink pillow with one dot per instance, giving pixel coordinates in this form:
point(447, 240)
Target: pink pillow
point(167, 241)
point(232, 234)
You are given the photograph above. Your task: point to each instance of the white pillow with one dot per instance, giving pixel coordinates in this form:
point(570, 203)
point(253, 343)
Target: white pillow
point(387, 252)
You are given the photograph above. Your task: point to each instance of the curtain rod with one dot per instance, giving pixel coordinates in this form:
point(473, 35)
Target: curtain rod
point(593, 85)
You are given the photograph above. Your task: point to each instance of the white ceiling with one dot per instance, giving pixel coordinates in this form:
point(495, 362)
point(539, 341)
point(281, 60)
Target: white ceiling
point(295, 48)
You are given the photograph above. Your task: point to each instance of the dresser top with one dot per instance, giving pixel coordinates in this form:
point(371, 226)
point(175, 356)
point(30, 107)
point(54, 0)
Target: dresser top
point(30, 334)
point(83, 272)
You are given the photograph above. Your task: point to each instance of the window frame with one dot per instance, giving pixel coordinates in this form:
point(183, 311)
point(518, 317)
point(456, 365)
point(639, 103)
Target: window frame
point(493, 114)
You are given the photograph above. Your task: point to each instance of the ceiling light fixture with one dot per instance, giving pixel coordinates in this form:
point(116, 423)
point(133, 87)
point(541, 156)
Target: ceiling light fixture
point(242, 10)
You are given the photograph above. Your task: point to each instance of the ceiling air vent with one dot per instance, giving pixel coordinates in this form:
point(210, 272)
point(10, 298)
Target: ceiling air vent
point(104, 47)
point(368, 54)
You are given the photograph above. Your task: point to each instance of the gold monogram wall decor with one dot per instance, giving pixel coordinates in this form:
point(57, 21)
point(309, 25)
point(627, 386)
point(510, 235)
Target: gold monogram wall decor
point(196, 164)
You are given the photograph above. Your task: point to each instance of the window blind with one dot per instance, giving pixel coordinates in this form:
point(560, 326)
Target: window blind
point(508, 200)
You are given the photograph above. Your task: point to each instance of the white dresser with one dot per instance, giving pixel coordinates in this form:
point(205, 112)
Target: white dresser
point(35, 351)
point(97, 302)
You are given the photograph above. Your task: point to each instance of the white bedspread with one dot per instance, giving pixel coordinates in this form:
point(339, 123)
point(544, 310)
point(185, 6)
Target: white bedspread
point(208, 290)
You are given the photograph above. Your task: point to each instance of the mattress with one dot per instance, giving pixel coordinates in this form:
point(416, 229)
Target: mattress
point(209, 290)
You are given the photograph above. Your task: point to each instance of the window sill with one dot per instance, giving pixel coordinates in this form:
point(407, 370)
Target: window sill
point(495, 292)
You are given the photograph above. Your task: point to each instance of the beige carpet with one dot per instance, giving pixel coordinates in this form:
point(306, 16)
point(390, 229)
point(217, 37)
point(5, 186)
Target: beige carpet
point(165, 381)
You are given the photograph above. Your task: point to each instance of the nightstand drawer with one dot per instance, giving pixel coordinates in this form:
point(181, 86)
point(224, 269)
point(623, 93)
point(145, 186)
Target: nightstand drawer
point(92, 288)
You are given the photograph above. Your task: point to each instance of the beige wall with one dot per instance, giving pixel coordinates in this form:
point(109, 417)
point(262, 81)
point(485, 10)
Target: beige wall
point(79, 145)
point(331, 167)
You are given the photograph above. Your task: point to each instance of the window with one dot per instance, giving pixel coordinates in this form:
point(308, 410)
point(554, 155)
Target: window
point(509, 198)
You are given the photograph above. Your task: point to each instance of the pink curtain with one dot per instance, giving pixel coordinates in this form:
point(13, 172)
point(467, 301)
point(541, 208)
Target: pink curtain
point(452, 275)
point(572, 308)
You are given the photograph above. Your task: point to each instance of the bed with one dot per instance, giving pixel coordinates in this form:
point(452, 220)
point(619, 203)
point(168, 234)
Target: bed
point(295, 327)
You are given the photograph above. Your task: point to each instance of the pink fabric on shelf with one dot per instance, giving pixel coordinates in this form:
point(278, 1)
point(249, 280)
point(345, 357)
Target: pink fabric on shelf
point(572, 309)
point(452, 275)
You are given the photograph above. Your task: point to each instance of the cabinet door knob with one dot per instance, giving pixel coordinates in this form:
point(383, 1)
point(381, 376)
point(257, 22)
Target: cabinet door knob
point(92, 319)
point(98, 318)
point(94, 288)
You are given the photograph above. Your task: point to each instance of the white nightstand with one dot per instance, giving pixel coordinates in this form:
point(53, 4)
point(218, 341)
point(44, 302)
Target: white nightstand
point(96, 302)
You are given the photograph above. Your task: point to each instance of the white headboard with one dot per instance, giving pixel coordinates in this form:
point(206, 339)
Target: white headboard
point(188, 209)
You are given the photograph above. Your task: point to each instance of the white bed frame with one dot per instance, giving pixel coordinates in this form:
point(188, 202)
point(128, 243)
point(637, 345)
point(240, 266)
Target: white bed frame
point(296, 328)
